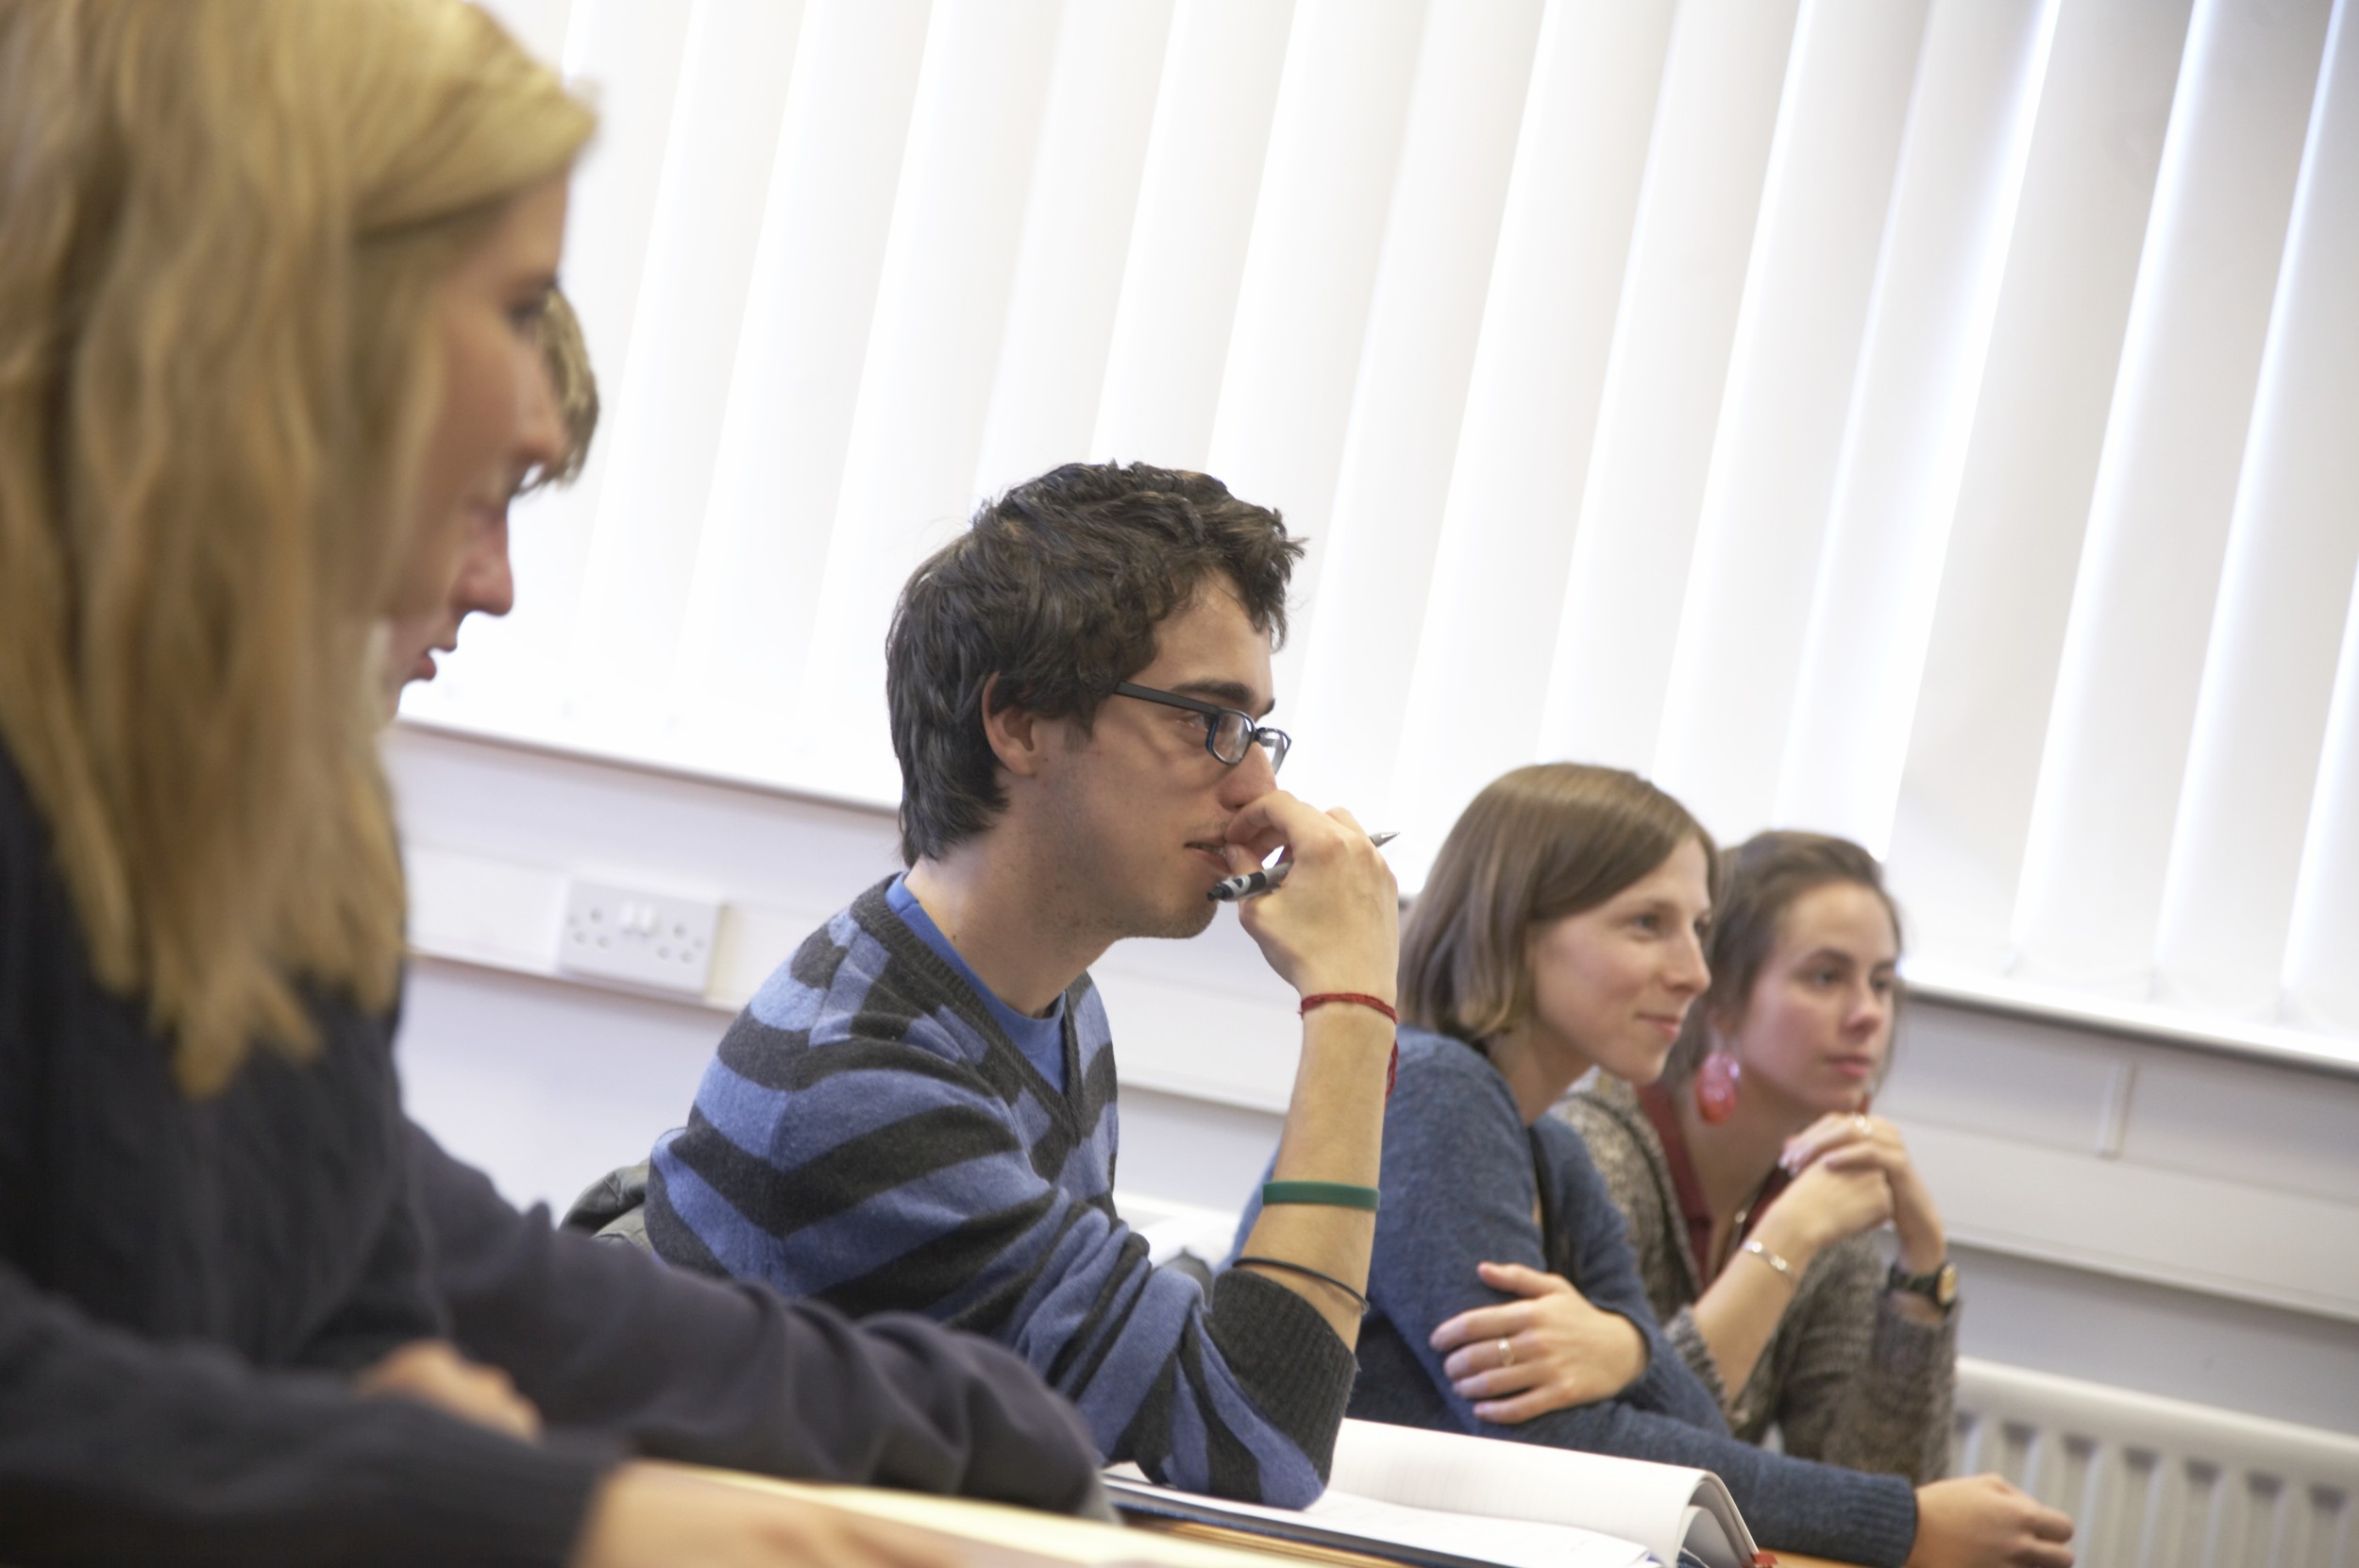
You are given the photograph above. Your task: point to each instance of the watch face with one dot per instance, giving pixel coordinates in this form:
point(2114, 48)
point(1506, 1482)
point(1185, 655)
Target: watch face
point(1940, 1287)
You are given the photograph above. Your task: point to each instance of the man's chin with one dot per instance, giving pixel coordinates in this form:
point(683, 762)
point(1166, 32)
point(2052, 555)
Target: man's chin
point(1179, 925)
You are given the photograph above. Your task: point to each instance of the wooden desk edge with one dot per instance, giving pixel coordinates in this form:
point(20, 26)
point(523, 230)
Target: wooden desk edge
point(1262, 1545)
point(1219, 1535)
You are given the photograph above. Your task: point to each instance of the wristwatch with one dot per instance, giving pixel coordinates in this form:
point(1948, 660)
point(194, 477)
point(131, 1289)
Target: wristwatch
point(1938, 1285)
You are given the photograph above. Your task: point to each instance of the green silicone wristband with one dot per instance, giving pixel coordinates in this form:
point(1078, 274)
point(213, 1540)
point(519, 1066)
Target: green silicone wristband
point(1333, 1194)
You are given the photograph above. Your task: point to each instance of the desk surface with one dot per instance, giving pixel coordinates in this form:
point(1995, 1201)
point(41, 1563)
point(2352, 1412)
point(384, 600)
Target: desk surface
point(1264, 1547)
point(989, 1535)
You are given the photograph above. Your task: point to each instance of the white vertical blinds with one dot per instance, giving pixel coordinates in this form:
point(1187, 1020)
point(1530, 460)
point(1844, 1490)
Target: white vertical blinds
point(2150, 575)
point(2270, 773)
point(1996, 628)
point(1416, 357)
point(1923, 419)
point(1525, 438)
point(1706, 155)
point(1762, 534)
point(1903, 453)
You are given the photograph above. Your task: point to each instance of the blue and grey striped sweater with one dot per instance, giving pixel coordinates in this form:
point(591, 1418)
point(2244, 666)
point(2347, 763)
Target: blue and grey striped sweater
point(870, 1137)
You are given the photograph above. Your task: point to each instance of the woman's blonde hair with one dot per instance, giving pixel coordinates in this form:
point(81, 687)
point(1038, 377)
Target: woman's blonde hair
point(1538, 844)
point(223, 226)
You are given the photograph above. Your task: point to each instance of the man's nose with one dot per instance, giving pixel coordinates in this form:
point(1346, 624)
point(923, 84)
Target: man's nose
point(1249, 780)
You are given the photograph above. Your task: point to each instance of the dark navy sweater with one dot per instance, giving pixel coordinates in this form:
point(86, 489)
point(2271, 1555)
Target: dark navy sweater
point(605, 1338)
point(185, 1287)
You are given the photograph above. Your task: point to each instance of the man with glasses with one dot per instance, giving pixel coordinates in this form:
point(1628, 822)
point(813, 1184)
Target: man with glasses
point(606, 1344)
point(918, 1109)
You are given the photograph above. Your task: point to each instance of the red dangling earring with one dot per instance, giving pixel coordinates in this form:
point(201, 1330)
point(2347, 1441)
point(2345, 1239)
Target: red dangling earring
point(1716, 1087)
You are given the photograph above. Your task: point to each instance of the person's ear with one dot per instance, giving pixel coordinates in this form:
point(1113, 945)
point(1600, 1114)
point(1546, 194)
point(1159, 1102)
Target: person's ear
point(1017, 735)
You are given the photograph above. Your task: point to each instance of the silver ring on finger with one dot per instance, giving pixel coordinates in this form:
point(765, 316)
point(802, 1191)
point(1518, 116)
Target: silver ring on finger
point(1859, 1124)
point(1507, 1352)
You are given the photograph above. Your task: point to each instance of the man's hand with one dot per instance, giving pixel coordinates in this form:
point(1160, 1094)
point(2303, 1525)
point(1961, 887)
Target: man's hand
point(1547, 1352)
point(1982, 1521)
point(1335, 924)
point(433, 1371)
point(658, 1516)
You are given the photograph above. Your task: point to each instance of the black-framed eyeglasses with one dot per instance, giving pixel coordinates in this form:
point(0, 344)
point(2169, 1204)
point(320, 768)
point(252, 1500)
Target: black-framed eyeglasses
point(1229, 733)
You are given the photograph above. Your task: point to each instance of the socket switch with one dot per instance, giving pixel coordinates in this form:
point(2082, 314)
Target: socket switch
point(648, 939)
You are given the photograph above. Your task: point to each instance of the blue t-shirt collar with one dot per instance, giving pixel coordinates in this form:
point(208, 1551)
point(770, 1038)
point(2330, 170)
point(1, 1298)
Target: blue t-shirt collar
point(1041, 1040)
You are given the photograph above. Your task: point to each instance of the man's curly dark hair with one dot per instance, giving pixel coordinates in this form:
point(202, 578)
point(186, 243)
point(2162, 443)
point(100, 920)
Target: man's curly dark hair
point(1057, 588)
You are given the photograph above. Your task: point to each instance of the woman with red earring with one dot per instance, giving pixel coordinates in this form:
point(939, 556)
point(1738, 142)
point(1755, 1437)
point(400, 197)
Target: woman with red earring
point(1753, 1178)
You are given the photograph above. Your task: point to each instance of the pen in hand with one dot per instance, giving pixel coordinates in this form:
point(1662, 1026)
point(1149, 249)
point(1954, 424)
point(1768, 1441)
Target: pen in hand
point(1269, 877)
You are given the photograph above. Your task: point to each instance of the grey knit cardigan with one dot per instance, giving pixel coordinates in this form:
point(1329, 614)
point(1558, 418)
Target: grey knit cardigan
point(1846, 1378)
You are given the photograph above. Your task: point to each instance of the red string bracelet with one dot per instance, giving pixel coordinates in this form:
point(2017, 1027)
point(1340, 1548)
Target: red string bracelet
point(1320, 999)
point(1361, 998)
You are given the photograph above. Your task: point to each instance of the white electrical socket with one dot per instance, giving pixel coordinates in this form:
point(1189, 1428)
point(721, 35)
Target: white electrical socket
point(645, 938)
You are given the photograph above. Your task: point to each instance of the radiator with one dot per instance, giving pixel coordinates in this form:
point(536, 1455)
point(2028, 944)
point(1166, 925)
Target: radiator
point(2158, 1483)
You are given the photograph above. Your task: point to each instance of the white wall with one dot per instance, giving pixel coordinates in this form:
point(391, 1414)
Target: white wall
point(2177, 1220)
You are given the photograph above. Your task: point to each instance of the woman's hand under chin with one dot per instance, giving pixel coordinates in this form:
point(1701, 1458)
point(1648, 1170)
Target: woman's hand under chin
point(1856, 1141)
point(1547, 1351)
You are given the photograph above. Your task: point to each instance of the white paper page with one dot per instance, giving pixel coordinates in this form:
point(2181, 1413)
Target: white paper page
point(1511, 1543)
point(1709, 1541)
point(1630, 1498)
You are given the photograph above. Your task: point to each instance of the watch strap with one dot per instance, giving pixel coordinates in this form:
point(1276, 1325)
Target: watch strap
point(1938, 1284)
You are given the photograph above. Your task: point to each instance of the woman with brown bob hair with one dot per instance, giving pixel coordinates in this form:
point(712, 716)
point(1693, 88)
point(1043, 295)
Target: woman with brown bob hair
point(1560, 931)
point(1752, 1175)
point(269, 278)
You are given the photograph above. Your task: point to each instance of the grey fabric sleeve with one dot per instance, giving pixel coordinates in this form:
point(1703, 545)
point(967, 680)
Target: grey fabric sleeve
point(1859, 1383)
point(1686, 1338)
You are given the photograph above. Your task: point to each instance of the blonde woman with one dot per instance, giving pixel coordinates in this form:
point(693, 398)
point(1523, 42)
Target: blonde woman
point(551, 445)
point(269, 271)
point(1562, 929)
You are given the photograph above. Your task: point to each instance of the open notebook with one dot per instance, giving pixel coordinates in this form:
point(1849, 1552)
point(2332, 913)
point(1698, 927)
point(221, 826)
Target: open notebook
point(1441, 1500)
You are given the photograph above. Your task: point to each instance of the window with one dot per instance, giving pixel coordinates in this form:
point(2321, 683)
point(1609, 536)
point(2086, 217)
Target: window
point(1924, 422)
